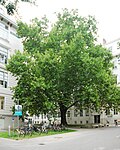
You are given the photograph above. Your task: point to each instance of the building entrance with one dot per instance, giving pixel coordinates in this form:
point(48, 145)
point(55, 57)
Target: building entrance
point(97, 119)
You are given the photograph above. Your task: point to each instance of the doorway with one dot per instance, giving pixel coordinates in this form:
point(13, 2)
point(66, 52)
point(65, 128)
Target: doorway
point(97, 119)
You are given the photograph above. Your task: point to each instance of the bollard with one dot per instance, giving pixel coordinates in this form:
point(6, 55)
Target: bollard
point(9, 130)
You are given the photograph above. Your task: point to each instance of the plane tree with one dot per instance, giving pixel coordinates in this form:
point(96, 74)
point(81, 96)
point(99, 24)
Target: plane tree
point(62, 67)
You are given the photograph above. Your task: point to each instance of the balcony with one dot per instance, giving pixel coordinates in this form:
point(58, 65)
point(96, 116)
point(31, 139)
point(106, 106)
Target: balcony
point(4, 34)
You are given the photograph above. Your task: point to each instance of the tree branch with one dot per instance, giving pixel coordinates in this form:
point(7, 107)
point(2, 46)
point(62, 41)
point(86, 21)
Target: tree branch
point(72, 104)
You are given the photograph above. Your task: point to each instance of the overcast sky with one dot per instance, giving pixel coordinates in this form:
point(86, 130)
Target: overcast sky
point(106, 12)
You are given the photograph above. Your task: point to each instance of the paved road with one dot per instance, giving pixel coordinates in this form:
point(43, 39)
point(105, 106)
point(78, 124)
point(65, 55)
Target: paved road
point(83, 139)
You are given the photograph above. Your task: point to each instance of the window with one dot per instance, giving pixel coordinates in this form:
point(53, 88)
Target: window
point(3, 55)
point(75, 113)
point(4, 31)
point(81, 112)
point(1, 82)
point(115, 112)
point(86, 121)
point(45, 116)
point(41, 116)
point(118, 45)
point(107, 111)
point(80, 122)
point(68, 114)
point(118, 59)
point(115, 66)
point(75, 122)
point(2, 25)
point(1, 102)
point(87, 112)
point(3, 79)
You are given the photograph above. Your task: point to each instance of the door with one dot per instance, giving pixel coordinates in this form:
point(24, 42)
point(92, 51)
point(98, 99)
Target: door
point(97, 119)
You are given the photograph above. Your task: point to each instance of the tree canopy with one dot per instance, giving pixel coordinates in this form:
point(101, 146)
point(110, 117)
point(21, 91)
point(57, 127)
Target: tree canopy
point(11, 6)
point(63, 67)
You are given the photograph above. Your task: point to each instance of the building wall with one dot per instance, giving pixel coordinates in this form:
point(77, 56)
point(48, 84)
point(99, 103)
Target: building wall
point(9, 43)
point(89, 117)
point(114, 48)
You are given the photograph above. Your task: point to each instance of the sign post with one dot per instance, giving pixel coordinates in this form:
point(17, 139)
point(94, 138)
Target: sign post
point(18, 112)
point(13, 125)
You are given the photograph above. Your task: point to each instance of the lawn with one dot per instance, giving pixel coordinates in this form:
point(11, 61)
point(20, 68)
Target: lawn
point(15, 136)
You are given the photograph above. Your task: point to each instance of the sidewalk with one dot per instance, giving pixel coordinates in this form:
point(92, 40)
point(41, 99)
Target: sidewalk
point(46, 139)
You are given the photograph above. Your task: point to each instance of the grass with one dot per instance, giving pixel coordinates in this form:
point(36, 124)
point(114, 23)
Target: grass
point(14, 135)
point(4, 134)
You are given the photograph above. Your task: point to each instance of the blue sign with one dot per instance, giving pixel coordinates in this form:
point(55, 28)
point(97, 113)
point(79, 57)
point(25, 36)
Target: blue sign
point(18, 113)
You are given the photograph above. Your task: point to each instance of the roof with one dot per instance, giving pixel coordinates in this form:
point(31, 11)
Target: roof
point(9, 21)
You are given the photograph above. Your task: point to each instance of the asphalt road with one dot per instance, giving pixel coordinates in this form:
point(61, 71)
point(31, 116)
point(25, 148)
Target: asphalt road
point(83, 139)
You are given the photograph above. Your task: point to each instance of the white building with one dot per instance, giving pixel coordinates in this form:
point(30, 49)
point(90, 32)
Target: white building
point(9, 42)
point(114, 48)
point(85, 117)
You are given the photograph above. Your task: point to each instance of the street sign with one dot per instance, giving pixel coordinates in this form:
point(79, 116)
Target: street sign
point(18, 113)
point(18, 110)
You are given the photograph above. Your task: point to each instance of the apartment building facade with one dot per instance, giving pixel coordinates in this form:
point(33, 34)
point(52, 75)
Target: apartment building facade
point(9, 42)
point(88, 117)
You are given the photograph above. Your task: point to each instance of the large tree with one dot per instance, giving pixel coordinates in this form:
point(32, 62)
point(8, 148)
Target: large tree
point(11, 5)
point(63, 67)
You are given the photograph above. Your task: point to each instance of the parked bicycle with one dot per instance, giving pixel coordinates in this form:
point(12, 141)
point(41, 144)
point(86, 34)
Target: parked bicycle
point(25, 130)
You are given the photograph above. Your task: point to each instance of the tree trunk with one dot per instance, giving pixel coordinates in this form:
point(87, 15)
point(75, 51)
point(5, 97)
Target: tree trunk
point(63, 111)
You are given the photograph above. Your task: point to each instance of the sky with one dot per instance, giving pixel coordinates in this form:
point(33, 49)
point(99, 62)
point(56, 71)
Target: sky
point(106, 12)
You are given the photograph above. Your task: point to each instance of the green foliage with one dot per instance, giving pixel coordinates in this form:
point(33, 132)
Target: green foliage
point(2, 2)
point(62, 67)
point(37, 32)
point(12, 6)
